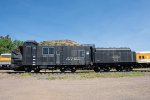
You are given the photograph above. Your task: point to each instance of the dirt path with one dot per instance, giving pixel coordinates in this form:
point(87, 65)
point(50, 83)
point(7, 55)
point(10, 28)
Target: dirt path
point(135, 88)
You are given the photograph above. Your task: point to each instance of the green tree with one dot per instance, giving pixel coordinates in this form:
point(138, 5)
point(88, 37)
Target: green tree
point(17, 43)
point(5, 44)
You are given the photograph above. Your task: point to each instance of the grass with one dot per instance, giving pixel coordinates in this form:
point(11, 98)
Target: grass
point(112, 75)
point(82, 75)
point(142, 69)
point(25, 75)
point(93, 75)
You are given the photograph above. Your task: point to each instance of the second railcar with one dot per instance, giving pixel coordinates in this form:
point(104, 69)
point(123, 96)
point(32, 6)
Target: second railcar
point(143, 58)
point(117, 58)
point(5, 61)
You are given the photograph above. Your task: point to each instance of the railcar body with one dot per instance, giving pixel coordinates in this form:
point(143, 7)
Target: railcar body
point(36, 57)
point(143, 58)
point(33, 56)
point(5, 61)
point(118, 58)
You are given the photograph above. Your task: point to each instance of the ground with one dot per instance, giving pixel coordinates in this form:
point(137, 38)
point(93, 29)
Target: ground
point(23, 87)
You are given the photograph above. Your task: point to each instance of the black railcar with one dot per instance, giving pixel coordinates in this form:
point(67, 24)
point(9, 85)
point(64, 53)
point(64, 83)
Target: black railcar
point(35, 57)
point(32, 56)
point(116, 58)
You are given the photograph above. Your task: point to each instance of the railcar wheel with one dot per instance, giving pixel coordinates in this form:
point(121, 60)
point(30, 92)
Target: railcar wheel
point(97, 69)
point(36, 69)
point(107, 69)
point(27, 69)
point(73, 69)
point(117, 69)
point(121, 69)
point(129, 68)
point(62, 69)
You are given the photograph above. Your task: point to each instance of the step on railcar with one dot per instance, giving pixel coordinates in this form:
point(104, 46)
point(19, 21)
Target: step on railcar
point(117, 58)
point(32, 56)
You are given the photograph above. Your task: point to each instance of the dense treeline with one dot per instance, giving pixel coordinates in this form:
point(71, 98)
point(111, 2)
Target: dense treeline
point(7, 44)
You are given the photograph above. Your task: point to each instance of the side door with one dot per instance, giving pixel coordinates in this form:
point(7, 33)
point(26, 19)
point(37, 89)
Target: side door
point(81, 55)
point(116, 56)
point(58, 52)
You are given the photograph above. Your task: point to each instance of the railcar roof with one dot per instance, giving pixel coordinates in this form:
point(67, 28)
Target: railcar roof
point(113, 49)
point(143, 52)
point(64, 45)
point(6, 54)
point(32, 41)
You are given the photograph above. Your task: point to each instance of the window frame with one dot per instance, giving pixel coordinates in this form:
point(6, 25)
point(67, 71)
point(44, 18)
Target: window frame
point(43, 50)
point(48, 52)
point(81, 54)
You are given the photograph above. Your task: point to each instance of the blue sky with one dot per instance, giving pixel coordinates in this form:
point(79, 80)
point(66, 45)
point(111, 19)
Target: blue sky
point(105, 23)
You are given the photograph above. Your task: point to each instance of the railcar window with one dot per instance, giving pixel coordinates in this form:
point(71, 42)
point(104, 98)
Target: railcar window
point(142, 57)
point(139, 57)
point(51, 50)
point(82, 53)
point(45, 51)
